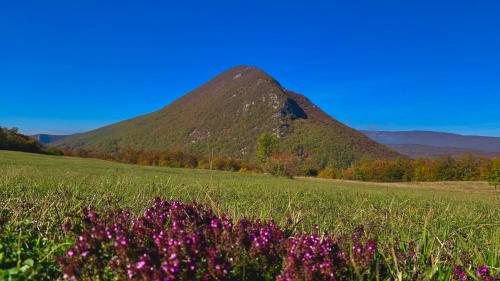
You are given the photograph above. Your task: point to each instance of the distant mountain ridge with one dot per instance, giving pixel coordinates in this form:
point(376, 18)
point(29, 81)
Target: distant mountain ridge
point(228, 114)
point(433, 144)
point(48, 138)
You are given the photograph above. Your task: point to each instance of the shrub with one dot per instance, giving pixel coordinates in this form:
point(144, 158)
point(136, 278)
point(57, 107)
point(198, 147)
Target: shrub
point(281, 164)
point(328, 173)
point(51, 150)
point(308, 168)
point(226, 164)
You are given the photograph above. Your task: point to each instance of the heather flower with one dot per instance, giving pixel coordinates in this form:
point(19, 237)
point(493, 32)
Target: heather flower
point(172, 240)
point(311, 257)
point(460, 274)
point(483, 271)
point(66, 226)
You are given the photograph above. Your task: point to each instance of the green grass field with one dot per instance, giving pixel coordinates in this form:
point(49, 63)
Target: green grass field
point(463, 215)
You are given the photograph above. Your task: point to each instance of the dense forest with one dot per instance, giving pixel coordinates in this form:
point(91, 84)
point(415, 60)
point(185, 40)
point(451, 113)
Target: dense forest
point(11, 139)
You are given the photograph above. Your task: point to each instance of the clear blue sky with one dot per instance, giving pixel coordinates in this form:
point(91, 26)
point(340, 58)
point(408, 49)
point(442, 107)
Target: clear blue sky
point(71, 66)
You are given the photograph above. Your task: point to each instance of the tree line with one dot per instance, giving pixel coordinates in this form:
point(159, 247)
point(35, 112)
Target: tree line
point(464, 168)
point(270, 159)
point(167, 158)
point(11, 139)
point(467, 167)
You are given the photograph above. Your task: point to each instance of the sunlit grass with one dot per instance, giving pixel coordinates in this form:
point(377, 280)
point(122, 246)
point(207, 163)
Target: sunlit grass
point(467, 216)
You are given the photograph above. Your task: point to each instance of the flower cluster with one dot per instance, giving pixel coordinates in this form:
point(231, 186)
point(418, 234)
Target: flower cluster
point(321, 257)
point(482, 273)
point(311, 257)
point(172, 240)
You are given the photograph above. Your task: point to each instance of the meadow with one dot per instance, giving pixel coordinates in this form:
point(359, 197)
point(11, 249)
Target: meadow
point(458, 220)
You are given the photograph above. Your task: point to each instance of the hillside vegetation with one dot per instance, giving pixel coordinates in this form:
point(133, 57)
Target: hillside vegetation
point(225, 117)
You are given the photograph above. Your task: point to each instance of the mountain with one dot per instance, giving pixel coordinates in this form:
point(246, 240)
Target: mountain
point(433, 144)
point(227, 114)
point(48, 139)
point(418, 150)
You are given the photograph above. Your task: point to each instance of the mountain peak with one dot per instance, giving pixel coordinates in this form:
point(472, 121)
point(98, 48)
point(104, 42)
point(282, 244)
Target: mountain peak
point(228, 114)
point(245, 68)
point(243, 71)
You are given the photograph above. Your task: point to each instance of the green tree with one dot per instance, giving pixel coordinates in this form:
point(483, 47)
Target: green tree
point(494, 177)
point(267, 144)
point(3, 138)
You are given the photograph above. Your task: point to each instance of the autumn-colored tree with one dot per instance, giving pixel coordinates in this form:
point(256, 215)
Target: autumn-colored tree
point(80, 152)
point(485, 167)
point(468, 167)
point(330, 173)
point(148, 158)
point(447, 169)
point(398, 170)
point(348, 174)
point(494, 177)
point(424, 170)
point(281, 164)
point(226, 164)
point(128, 155)
point(384, 170)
